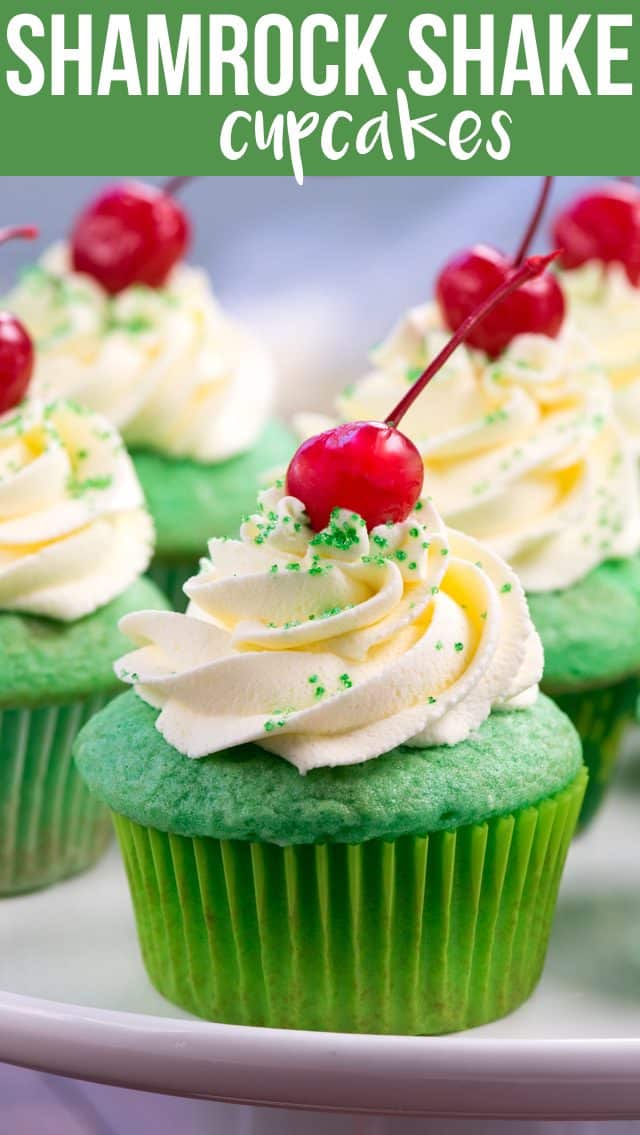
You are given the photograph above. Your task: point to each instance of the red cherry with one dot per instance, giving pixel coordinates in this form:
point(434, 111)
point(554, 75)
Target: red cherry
point(131, 234)
point(16, 346)
point(16, 361)
point(603, 225)
point(537, 308)
point(371, 467)
point(368, 467)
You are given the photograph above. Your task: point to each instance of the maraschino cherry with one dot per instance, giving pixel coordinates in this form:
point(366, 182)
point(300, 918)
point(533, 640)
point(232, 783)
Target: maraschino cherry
point(604, 226)
point(131, 234)
point(371, 467)
point(16, 346)
point(537, 308)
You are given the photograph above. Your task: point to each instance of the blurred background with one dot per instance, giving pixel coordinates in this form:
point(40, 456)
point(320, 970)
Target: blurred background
point(322, 271)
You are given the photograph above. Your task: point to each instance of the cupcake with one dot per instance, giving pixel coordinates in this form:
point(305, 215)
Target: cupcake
point(75, 538)
point(341, 801)
point(522, 449)
point(189, 388)
point(600, 275)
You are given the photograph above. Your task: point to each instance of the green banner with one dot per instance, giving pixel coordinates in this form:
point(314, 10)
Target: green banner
point(334, 90)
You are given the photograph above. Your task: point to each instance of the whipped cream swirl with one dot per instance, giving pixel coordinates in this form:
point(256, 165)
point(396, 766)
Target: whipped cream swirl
point(333, 648)
point(74, 532)
point(166, 365)
point(605, 307)
point(525, 452)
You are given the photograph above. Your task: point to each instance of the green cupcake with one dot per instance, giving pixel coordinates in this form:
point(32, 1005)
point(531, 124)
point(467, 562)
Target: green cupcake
point(406, 881)
point(189, 388)
point(525, 452)
point(591, 634)
point(74, 539)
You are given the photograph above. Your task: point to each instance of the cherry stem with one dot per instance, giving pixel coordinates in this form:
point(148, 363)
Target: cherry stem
point(19, 232)
point(534, 223)
point(532, 267)
point(175, 184)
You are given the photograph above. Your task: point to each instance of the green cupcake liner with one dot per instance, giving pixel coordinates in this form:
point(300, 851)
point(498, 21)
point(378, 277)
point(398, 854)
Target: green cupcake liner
point(419, 935)
point(171, 575)
point(601, 717)
point(50, 825)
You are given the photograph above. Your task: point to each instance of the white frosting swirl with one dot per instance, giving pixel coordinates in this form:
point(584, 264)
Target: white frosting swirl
point(332, 649)
point(605, 307)
point(165, 365)
point(524, 453)
point(74, 532)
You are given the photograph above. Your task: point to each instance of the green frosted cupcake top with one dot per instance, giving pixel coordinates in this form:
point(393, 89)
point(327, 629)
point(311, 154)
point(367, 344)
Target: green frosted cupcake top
point(591, 631)
point(514, 760)
point(191, 502)
point(44, 661)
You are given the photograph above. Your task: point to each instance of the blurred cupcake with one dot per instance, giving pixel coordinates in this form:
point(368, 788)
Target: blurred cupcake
point(189, 388)
point(74, 539)
point(524, 451)
point(599, 233)
point(405, 883)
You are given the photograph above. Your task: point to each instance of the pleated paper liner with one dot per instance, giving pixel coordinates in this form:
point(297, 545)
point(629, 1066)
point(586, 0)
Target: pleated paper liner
point(171, 575)
point(601, 717)
point(50, 826)
point(420, 935)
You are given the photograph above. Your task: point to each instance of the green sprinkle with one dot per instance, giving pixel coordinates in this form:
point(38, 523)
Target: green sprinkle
point(414, 532)
point(345, 681)
point(269, 726)
point(273, 568)
point(494, 416)
point(506, 588)
point(293, 567)
point(337, 534)
point(435, 590)
point(431, 701)
point(313, 678)
point(77, 488)
point(413, 374)
point(444, 551)
point(413, 566)
point(319, 691)
point(381, 541)
point(439, 645)
point(458, 646)
point(134, 326)
point(400, 555)
point(418, 506)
